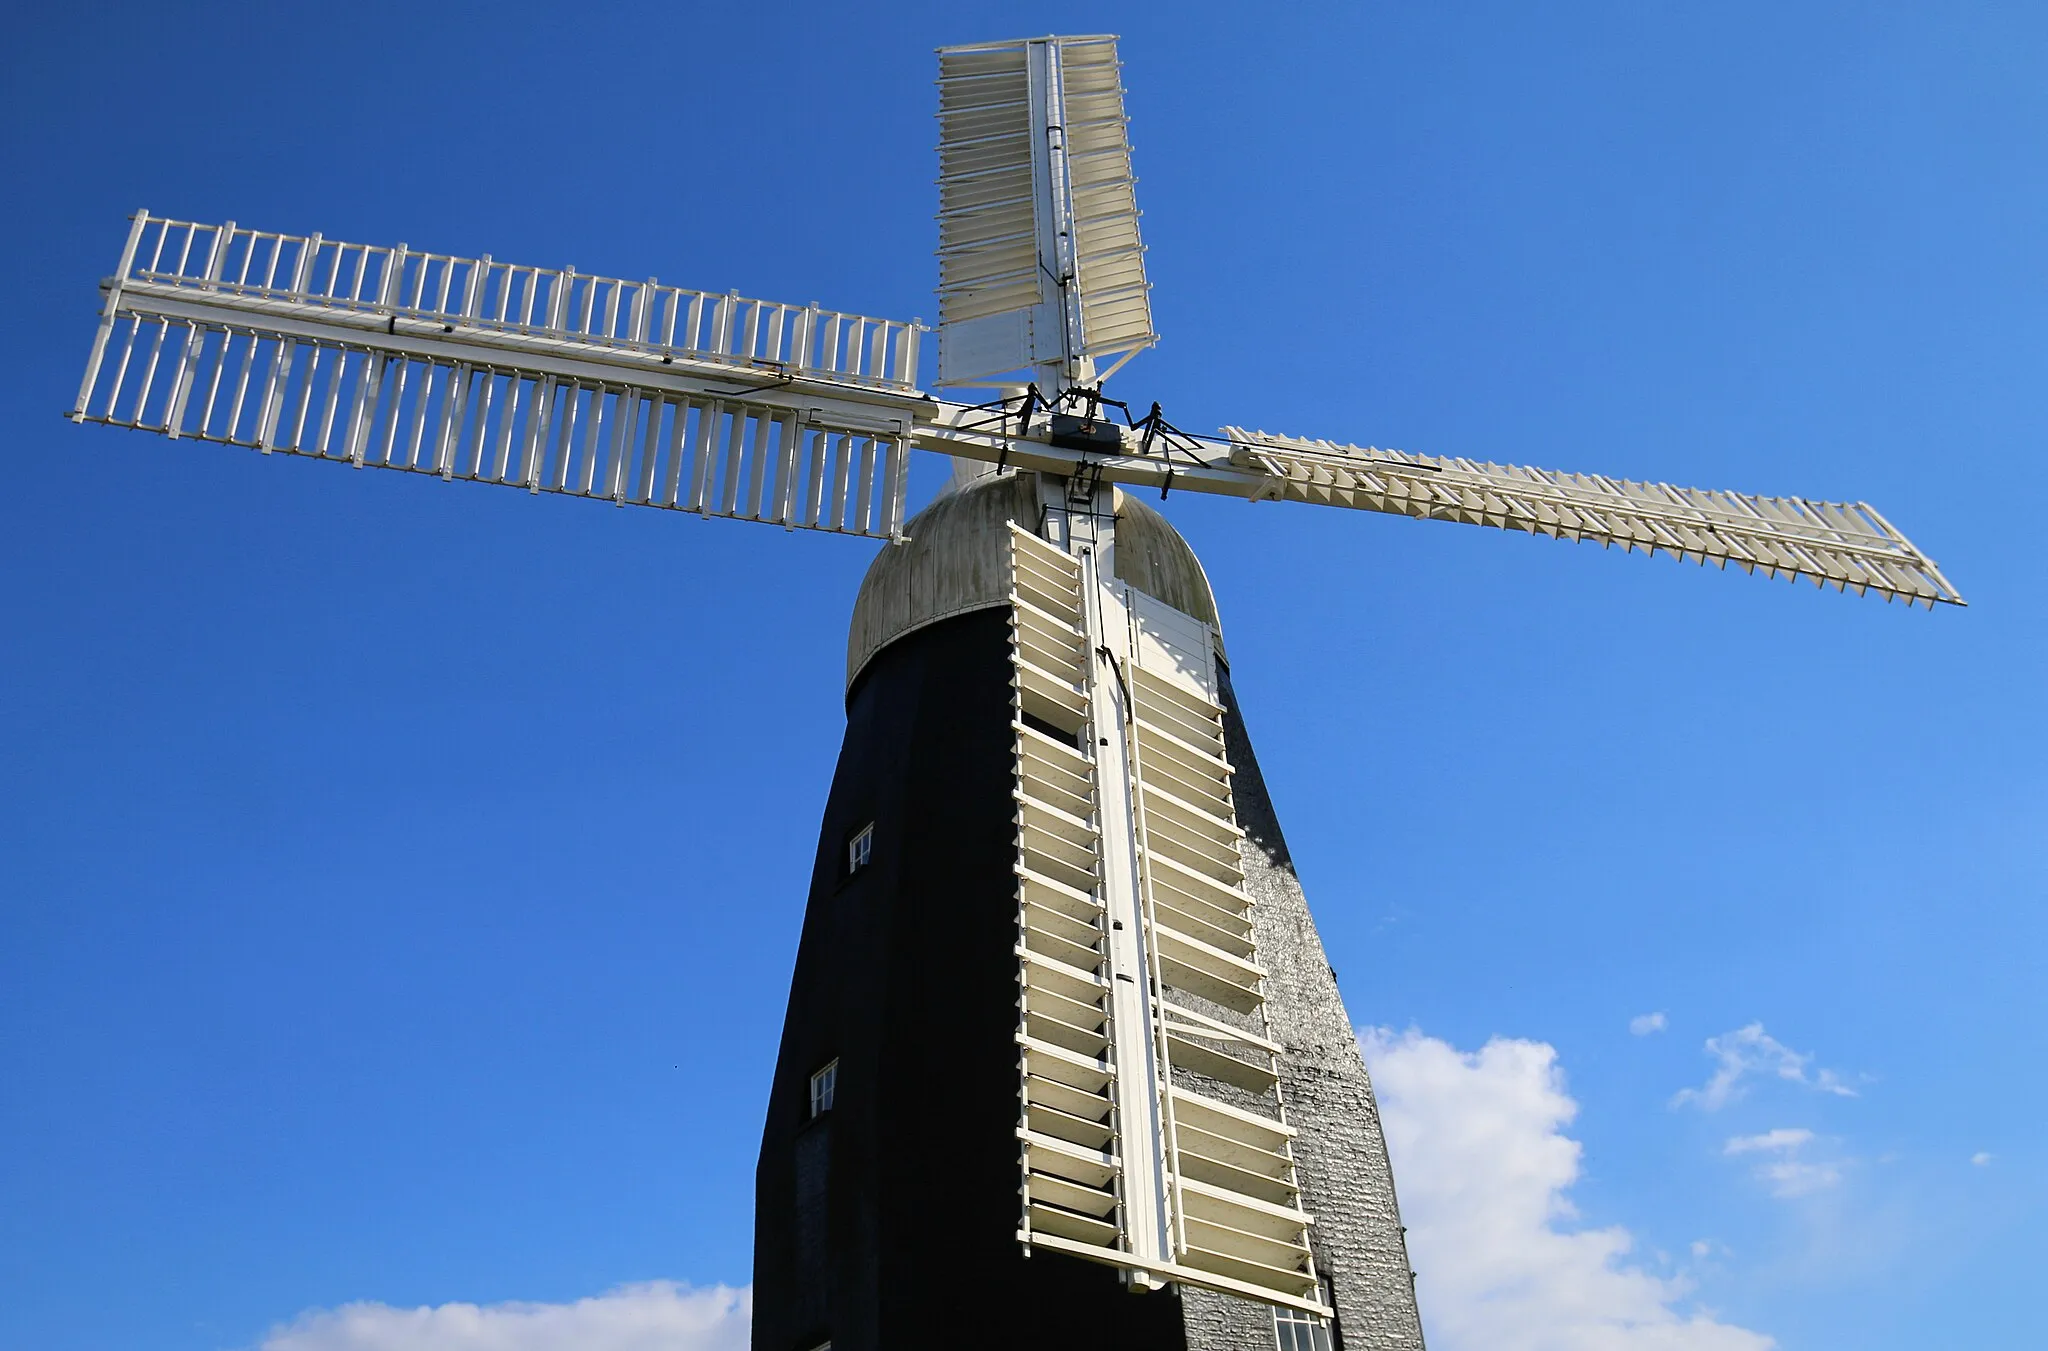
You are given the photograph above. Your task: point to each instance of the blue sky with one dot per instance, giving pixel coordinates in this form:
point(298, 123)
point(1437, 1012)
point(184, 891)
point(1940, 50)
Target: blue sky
point(401, 881)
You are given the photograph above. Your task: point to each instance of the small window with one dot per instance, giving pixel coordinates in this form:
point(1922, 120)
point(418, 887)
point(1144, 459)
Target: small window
point(822, 1084)
point(1294, 1330)
point(860, 848)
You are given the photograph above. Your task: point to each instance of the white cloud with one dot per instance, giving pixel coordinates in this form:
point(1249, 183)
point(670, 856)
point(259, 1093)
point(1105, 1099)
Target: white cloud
point(1485, 1171)
point(1798, 1177)
point(1788, 1174)
point(1980, 1158)
point(1779, 1139)
point(1643, 1024)
point(655, 1316)
point(1751, 1051)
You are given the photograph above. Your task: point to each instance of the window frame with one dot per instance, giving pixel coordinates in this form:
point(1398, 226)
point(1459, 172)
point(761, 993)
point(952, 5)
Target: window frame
point(821, 1104)
point(859, 853)
point(1294, 1330)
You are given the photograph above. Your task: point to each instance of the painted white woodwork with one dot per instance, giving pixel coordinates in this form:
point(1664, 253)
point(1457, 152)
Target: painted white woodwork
point(548, 380)
point(1135, 951)
point(1175, 646)
point(1068, 1119)
point(1844, 545)
point(652, 395)
point(1137, 1053)
point(1041, 271)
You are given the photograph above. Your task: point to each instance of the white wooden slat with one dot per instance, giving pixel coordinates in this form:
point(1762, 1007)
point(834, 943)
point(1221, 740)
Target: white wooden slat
point(508, 428)
point(455, 395)
point(109, 311)
point(473, 423)
point(235, 403)
point(344, 362)
point(757, 459)
point(650, 441)
point(110, 412)
point(788, 464)
point(626, 421)
point(828, 354)
point(678, 448)
point(568, 400)
point(156, 349)
point(814, 488)
point(722, 324)
point(894, 492)
point(214, 381)
point(394, 405)
point(174, 413)
point(593, 429)
point(416, 438)
point(864, 479)
point(363, 409)
point(710, 421)
point(751, 332)
point(735, 446)
point(587, 288)
point(308, 382)
point(691, 339)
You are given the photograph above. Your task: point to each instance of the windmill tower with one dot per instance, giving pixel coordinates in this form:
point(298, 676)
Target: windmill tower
point(1063, 1063)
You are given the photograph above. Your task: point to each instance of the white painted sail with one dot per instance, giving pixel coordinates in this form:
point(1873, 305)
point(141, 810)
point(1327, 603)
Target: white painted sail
point(1846, 545)
point(1041, 271)
point(540, 378)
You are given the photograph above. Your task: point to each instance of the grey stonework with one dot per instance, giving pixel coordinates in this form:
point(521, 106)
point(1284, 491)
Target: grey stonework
point(1214, 1322)
point(1340, 1154)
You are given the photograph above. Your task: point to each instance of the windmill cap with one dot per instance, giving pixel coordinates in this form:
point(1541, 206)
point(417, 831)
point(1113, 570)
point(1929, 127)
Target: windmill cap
point(954, 563)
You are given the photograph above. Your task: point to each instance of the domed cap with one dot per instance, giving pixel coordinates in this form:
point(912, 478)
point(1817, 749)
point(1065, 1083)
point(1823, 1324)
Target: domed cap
point(952, 563)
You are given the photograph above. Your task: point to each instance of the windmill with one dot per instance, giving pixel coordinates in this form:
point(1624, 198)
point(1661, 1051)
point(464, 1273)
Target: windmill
point(1058, 996)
